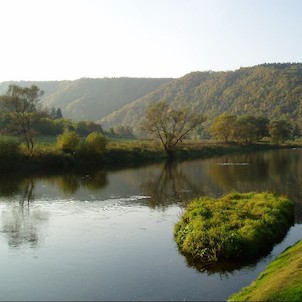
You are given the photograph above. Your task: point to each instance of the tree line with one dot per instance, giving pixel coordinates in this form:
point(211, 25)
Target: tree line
point(22, 114)
point(250, 129)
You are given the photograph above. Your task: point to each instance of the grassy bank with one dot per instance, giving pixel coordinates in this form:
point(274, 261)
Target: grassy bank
point(281, 280)
point(236, 226)
point(119, 153)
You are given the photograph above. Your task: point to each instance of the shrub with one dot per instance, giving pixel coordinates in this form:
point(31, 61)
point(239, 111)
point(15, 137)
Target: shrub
point(96, 142)
point(68, 141)
point(10, 152)
point(236, 226)
point(9, 147)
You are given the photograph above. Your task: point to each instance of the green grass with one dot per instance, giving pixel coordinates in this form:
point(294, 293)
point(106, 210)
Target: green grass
point(281, 280)
point(236, 226)
point(119, 153)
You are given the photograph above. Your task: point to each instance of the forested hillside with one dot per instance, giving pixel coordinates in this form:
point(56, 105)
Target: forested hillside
point(91, 99)
point(271, 90)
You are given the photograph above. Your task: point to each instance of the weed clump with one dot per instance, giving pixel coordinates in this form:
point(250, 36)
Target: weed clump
point(236, 226)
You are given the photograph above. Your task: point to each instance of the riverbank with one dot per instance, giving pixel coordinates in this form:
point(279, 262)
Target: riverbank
point(119, 153)
point(281, 280)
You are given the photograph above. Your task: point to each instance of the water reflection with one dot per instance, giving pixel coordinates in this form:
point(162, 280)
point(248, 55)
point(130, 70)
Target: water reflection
point(177, 183)
point(96, 227)
point(274, 171)
point(69, 184)
point(224, 269)
point(171, 185)
point(21, 221)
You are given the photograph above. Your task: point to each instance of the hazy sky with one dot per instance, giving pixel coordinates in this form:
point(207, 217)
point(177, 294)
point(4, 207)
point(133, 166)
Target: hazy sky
point(62, 39)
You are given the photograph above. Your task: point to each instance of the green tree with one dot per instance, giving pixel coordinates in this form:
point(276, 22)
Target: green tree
point(120, 131)
point(223, 126)
point(68, 141)
point(55, 113)
point(59, 113)
point(96, 142)
point(245, 129)
point(262, 123)
point(280, 131)
point(21, 107)
point(168, 125)
point(87, 127)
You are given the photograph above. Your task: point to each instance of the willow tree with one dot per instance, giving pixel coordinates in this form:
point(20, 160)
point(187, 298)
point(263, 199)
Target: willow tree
point(169, 125)
point(20, 105)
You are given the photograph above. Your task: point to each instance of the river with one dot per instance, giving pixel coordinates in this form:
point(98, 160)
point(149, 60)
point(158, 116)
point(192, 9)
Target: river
point(108, 235)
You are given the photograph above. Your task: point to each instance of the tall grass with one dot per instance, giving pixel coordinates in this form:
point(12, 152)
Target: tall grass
point(281, 280)
point(236, 226)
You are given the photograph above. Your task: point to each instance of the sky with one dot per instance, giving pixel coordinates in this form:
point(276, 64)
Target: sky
point(71, 39)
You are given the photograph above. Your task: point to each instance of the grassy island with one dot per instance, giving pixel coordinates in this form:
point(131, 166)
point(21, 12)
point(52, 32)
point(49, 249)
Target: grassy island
point(236, 226)
point(281, 280)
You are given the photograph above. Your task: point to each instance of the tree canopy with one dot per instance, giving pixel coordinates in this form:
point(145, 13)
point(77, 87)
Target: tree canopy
point(268, 90)
point(20, 106)
point(169, 125)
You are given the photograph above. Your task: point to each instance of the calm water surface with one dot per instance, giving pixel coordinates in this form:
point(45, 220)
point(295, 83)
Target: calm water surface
point(109, 235)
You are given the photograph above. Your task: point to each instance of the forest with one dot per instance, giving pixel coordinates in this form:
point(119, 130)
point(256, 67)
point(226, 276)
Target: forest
point(270, 90)
point(273, 91)
point(246, 106)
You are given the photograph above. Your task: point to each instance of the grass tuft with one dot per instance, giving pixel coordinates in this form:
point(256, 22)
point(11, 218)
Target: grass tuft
point(236, 226)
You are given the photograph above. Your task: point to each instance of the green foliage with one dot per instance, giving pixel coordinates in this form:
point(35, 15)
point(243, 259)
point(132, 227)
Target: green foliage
point(86, 127)
point(68, 141)
point(168, 125)
point(250, 129)
point(223, 126)
point(245, 129)
point(92, 99)
point(281, 280)
point(120, 131)
point(20, 106)
point(96, 143)
point(9, 148)
point(269, 90)
point(55, 113)
point(49, 126)
point(236, 226)
point(280, 131)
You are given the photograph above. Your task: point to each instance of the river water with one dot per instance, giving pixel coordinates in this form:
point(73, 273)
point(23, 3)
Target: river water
point(108, 235)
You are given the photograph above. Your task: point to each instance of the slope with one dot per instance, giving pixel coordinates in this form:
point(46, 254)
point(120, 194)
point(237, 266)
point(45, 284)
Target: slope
point(91, 99)
point(272, 90)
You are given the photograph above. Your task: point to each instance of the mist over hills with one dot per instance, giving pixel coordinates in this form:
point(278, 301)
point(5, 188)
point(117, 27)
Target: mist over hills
point(91, 99)
point(271, 90)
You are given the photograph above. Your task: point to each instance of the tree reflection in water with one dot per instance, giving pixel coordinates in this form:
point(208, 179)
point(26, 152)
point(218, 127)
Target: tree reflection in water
point(222, 268)
point(70, 183)
point(20, 222)
point(170, 186)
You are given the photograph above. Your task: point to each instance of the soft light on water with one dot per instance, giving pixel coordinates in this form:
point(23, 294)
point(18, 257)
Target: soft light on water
point(109, 236)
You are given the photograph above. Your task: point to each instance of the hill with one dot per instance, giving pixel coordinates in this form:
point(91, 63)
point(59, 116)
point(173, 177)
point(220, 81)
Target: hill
point(91, 99)
point(271, 90)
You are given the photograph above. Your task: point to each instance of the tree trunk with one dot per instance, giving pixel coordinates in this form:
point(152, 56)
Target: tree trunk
point(170, 153)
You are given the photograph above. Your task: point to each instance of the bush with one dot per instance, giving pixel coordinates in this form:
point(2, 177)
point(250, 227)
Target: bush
point(237, 226)
point(10, 152)
point(68, 141)
point(96, 142)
